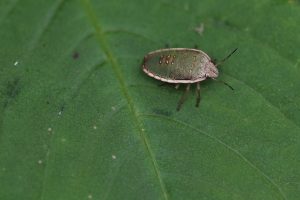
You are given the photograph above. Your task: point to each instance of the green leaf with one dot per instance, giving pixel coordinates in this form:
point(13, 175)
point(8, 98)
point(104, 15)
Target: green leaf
point(80, 120)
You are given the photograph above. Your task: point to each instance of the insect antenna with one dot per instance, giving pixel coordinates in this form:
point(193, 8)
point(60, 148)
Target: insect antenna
point(220, 81)
point(222, 61)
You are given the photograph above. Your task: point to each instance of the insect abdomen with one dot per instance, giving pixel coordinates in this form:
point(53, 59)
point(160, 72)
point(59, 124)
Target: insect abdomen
point(174, 64)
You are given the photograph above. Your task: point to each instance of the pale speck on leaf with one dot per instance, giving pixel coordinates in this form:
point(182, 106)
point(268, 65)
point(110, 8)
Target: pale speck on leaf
point(200, 29)
point(247, 29)
point(297, 64)
point(186, 7)
point(40, 162)
point(114, 157)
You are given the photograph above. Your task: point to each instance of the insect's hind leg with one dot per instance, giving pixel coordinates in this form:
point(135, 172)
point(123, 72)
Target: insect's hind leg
point(183, 97)
point(198, 94)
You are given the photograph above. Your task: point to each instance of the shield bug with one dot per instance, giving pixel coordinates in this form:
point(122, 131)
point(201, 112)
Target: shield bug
point(182, 66)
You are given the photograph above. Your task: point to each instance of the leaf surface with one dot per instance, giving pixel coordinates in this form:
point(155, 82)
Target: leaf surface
point(80, 120)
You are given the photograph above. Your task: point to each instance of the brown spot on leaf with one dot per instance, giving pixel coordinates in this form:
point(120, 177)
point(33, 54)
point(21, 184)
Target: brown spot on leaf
point(75, 55)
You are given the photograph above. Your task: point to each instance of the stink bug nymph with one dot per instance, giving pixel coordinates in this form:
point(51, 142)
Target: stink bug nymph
point(182, 65)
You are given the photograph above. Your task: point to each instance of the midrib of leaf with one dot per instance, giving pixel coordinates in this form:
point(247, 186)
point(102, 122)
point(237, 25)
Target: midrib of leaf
point(87, 7)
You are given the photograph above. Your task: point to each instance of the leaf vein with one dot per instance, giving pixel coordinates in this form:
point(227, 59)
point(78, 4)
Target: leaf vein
point(48, 19)
point(117, 72)
point(9, 10)
point(267, 101)
point(236, 152)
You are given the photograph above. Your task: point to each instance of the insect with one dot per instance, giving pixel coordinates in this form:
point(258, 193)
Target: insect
point(182, 66)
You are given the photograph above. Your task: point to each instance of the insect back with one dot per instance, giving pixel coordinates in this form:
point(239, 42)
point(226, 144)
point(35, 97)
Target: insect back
point(176, 65)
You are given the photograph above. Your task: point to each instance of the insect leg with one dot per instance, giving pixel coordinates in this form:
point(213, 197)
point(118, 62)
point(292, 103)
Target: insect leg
point(183, 97)
point(198, 94)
